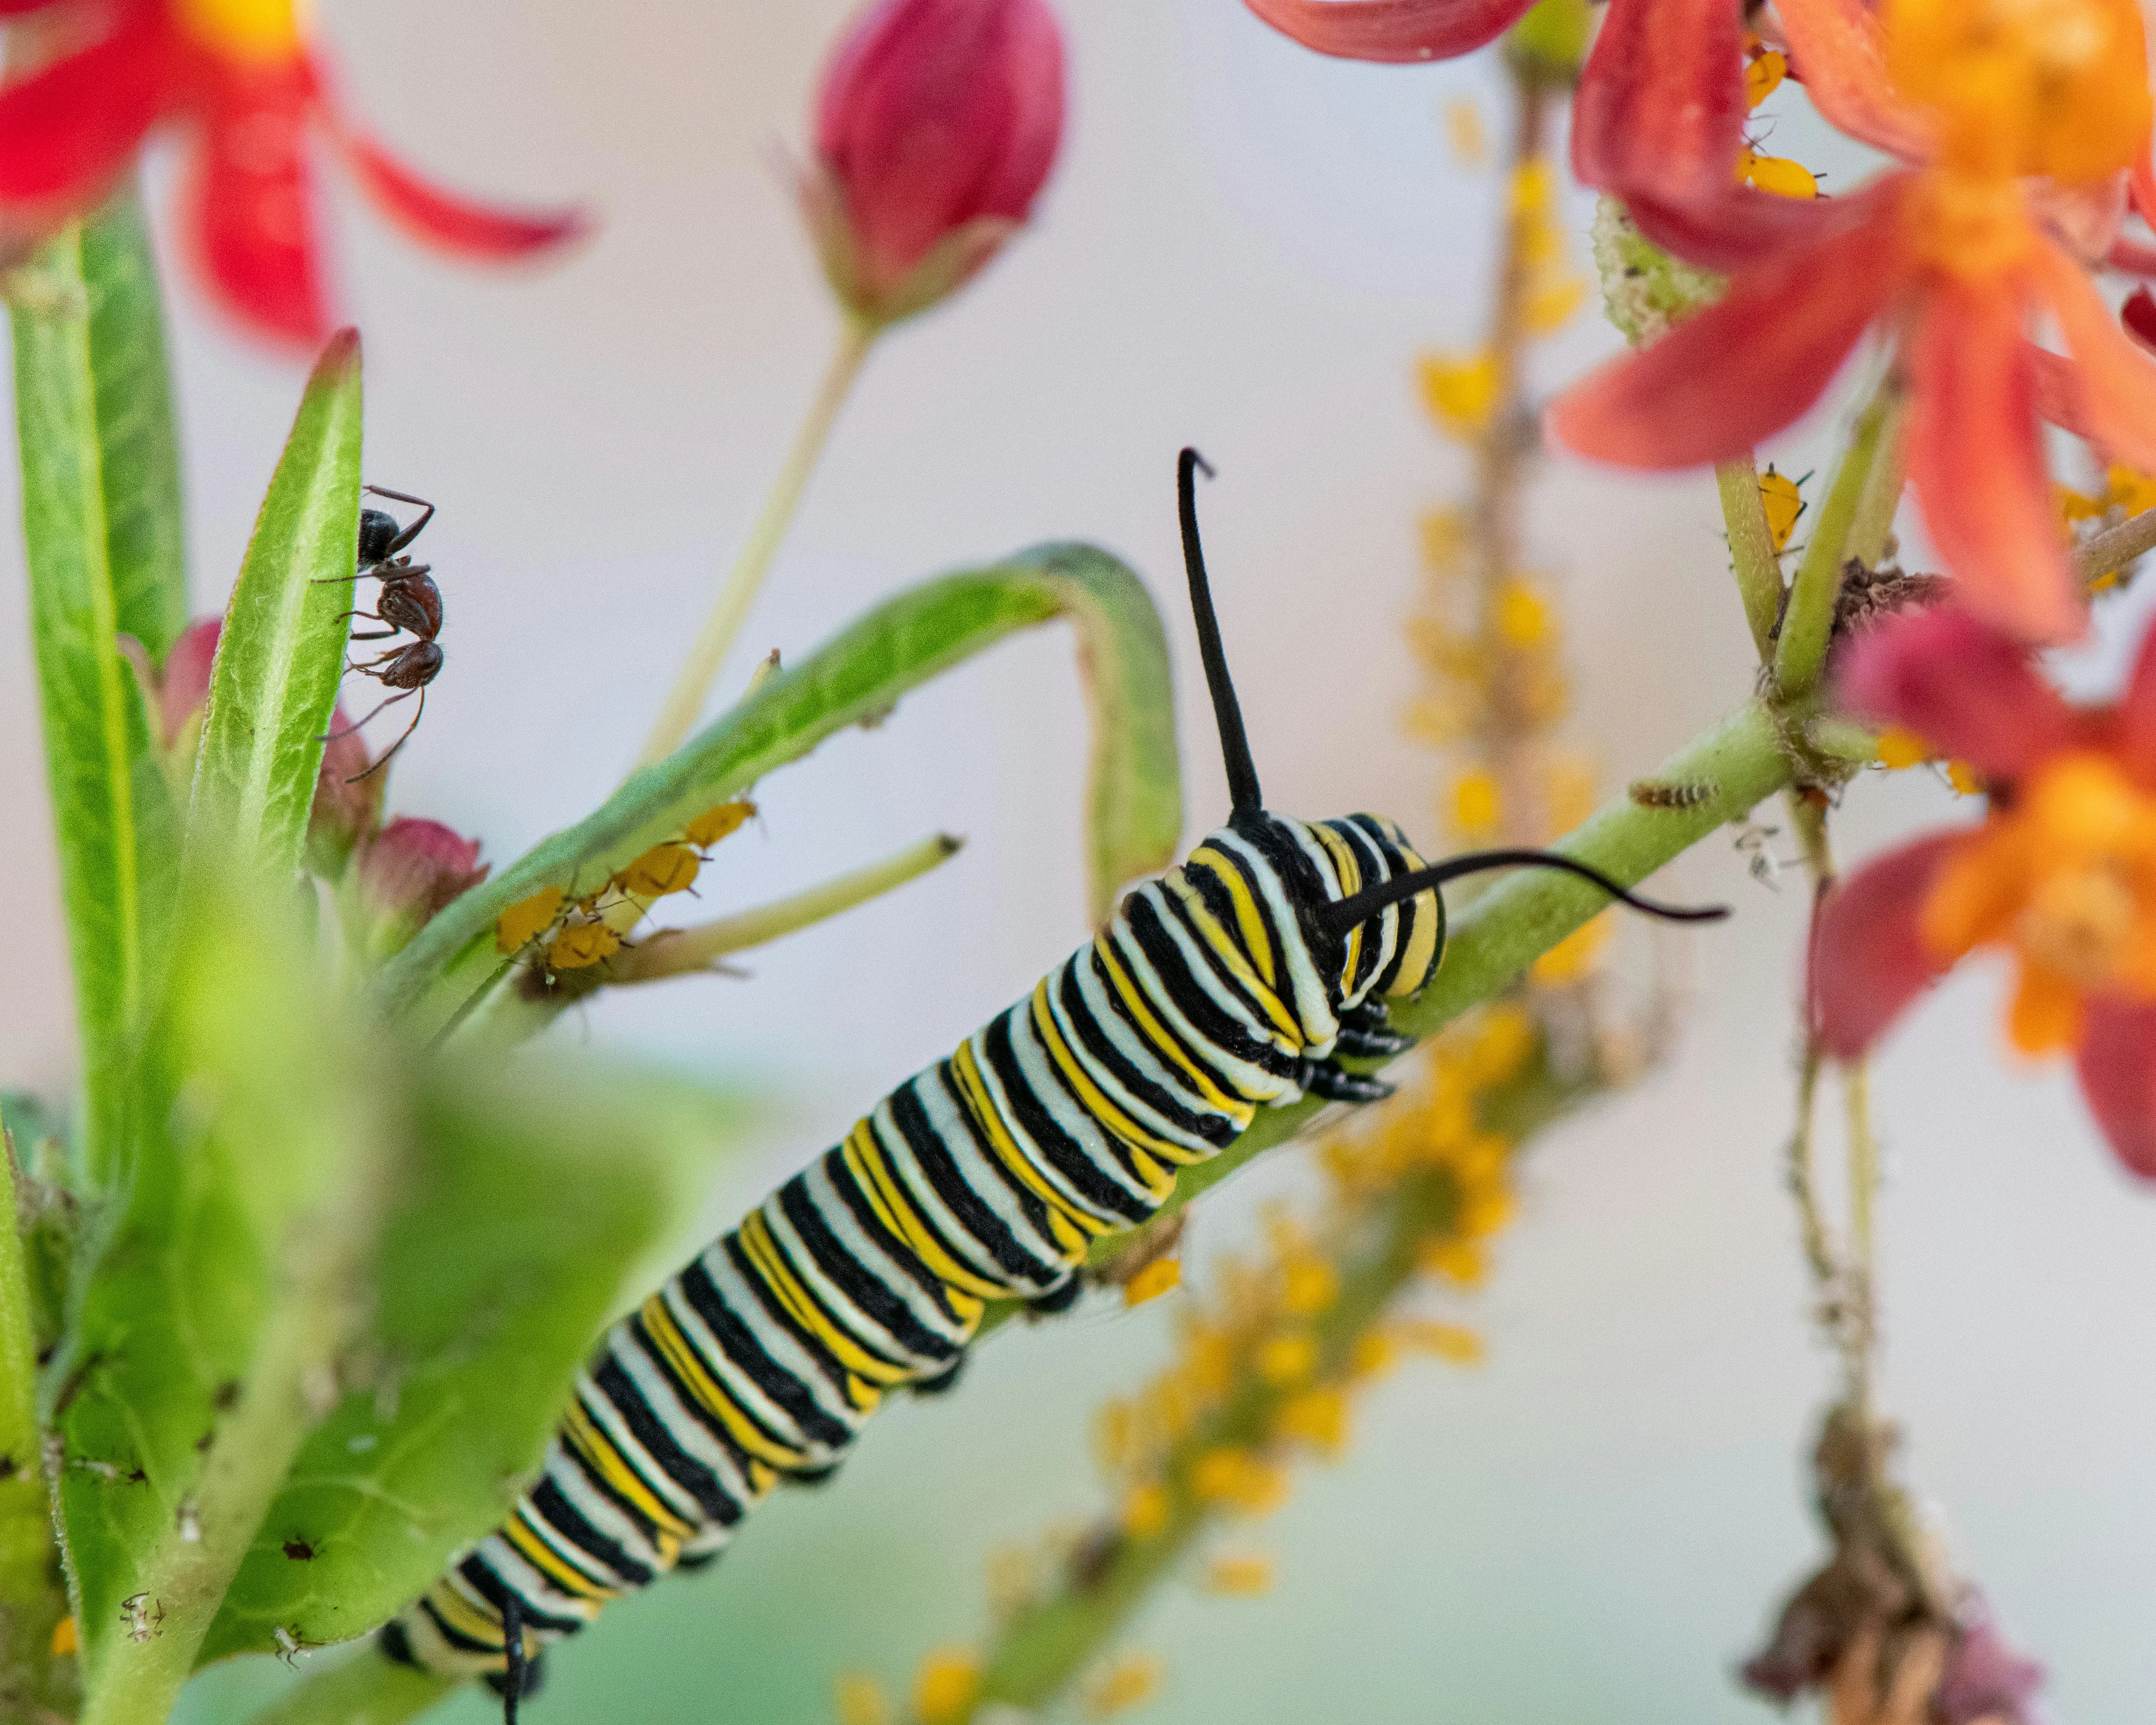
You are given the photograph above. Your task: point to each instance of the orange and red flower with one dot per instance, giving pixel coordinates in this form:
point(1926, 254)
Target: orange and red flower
point(244, 75)
point(1952, 258)
point(2062, 874)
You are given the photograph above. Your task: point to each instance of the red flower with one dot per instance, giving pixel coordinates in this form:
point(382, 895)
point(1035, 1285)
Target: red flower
point(1659, 112)
point(2061, 873)
point(241, 72)
point(937, 124)
point(1950, 259)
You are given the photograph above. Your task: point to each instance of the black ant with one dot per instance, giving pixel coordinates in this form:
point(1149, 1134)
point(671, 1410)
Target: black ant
point(408, 601)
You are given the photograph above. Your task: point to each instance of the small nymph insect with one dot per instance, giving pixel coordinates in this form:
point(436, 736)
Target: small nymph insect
point(408, 601)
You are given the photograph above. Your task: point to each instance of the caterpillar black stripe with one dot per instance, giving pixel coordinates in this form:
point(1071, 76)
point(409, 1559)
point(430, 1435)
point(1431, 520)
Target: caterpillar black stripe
point(1235, 981)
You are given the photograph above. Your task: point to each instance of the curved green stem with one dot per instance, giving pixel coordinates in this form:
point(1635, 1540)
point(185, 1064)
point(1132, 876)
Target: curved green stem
point(707, 654)
point(1752, 551)
point(1807, 624)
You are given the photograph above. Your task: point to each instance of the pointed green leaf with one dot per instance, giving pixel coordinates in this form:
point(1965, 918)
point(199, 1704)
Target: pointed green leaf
point(281, 655)
point(538, 1199)
point(1135, 801)
point(100, 523)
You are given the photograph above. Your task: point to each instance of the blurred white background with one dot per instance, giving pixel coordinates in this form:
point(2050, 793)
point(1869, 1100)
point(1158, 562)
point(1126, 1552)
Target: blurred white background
point(1243, 246)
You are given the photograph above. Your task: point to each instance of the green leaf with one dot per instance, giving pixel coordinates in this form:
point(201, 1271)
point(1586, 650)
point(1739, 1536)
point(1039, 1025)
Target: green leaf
point(281, 655)
point(33, 1594)
point(205, 1340)
point(1134, 804)
point(100, 526)
point(540, 1200)
point(144, 525)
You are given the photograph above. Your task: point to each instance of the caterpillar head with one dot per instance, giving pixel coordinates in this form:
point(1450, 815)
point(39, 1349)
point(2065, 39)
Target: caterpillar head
point(1368, 907)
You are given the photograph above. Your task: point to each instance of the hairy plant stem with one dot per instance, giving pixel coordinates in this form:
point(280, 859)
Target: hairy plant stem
point(1509, 731)
point(1808, 623)
point(707, 653)
point(1752, 553)
point(2101, 553)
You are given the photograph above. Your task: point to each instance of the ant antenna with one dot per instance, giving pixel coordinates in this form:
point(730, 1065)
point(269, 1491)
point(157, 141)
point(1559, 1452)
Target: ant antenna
point(1243, 794)
point(1342, 915)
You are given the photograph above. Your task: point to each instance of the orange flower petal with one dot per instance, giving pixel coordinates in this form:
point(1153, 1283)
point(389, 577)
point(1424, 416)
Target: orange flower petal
point(1977, 462)
point(1660, 111)
point(1398, 32)
point(1746, 367)
point(67, 131)
point(1978, 894)
point(1740, 225)
point(440, 219)
point(250, 207)
point(2047, 1014)
point(1868, 959)
point(2116, 380)
point(1837, 48)
point(2117, 1066)
point(1966, 688)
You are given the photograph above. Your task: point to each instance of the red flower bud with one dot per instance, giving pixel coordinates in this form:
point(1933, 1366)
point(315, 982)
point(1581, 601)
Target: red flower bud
point(935, 126)
point(185, 689)
point(407, 871)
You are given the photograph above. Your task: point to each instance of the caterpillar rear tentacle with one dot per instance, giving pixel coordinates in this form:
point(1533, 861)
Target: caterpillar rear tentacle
point(1236, 981)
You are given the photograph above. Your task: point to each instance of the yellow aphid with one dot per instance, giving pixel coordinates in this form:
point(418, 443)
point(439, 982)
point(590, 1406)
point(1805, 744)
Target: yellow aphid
point(1533, 190)
point(1899, 749)
point(1550, 304)
point(661, 870)
point(1156, 1279)
point(1131, 1681)
point(582, 945)
point(64, 1638)
point(1286, 1359)
point(1448, 1341)
point(1308, 1285)
point(1373, 1355)
point(1445, 537)
point(1463, 126)
point(523, 921)
point(718, 823)
point(1316, 1417)
point(858, 1700)
point(1145, 1510)
point(1963, 778)
point(1458, 1260)
point(1239, 1478)
point(2103, 583)
point(1763, 75)
point(2131, 489)
point(1475, 803)
point(2074, 506)
point(1783, 504)
point(1574, 957)
point(1240, 1575)
point(1776, 174)
point(1460, 393)
point(1522, 619)
point(945, 1685)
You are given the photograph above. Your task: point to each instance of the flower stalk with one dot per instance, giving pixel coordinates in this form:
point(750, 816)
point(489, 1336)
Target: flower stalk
point(707, 653)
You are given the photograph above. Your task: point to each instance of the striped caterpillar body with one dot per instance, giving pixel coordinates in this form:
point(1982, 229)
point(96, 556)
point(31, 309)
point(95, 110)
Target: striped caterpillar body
point(1212, 992)
point(1237, 980)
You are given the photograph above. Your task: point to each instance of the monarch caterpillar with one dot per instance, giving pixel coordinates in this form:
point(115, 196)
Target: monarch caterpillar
point(1238, 980)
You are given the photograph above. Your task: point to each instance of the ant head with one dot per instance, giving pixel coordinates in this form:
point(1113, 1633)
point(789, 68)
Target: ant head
point(377, 535)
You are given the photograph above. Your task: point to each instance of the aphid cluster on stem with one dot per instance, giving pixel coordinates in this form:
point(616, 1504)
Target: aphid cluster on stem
point(565, 930)
point(408, 601)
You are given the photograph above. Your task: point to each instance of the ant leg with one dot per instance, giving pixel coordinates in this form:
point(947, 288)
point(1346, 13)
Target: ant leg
point(375, 635)
point(401, 741)
point(339, 735)
point(338, 580)
point(412, 532)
